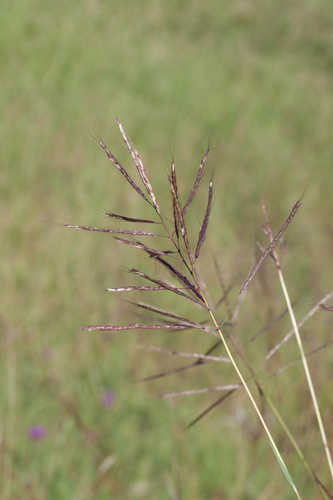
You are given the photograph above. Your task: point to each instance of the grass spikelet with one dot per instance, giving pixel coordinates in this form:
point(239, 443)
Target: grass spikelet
point(146, 182)
point(196, 182)
point(204, 225)
point(152, 252)
point(123, 171)
point(181, 277)
point(167, 314)
point(107, 230)
point(129, 146)
point(140, 167)
point(130, 219)
point(137, 288)
point(135, 326)
point(166, 286)
point(179, 222)
point(326, 308)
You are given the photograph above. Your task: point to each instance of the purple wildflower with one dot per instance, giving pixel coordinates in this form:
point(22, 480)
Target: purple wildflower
point(108, 399)
point(37, 432)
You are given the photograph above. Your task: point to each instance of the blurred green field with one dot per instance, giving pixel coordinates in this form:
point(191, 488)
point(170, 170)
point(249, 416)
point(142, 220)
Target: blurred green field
point(255, 81)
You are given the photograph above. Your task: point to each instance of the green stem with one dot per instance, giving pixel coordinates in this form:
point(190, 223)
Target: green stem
point(276, 452)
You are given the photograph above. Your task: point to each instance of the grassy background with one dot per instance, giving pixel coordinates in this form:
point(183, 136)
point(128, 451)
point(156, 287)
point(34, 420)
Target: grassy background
point(255, 80)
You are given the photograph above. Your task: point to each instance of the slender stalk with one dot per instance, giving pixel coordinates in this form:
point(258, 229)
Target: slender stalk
point(299, 342)
point(307, 373)
point(294, 443)
point(308, 315)
point(276, 452)
point(282, 422)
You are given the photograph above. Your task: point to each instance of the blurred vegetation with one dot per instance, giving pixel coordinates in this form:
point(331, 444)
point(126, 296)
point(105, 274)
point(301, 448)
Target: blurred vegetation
point(252, 79)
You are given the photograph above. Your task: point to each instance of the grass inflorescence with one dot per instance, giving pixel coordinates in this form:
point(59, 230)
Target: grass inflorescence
point(179, 258)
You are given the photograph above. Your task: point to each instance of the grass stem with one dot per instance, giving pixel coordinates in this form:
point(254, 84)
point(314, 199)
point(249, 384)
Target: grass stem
point(276, 452)
point(307, 372)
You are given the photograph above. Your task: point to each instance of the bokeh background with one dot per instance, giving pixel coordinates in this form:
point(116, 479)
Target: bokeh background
point(254, 79)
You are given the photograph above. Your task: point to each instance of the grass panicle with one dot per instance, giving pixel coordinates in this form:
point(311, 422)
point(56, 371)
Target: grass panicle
point(275, 240)
point(180, 262)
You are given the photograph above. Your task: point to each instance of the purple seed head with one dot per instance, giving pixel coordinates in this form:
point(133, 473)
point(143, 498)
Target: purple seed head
point(37, 432)
point(108, 399)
